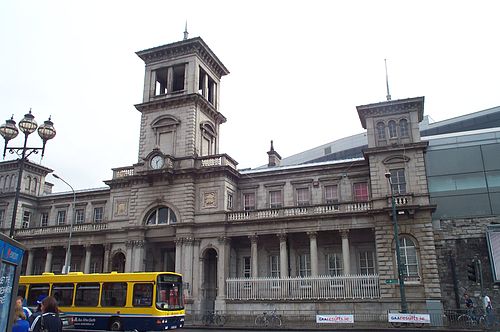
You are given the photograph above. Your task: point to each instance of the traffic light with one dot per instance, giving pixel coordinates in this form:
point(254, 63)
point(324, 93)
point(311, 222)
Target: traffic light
point(471, 271)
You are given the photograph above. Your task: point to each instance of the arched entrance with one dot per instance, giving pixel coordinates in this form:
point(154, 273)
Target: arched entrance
point(118, 262)
point(209, 285)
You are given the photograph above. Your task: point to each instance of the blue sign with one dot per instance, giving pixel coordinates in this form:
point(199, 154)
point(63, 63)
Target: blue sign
point(12, 254)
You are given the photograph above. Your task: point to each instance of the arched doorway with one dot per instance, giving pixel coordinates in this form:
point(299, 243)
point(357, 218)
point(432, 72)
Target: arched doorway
point(209, 285)
point(118, 262)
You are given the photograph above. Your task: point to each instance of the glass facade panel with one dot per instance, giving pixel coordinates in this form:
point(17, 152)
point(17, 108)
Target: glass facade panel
point(461, 206)
point(454, 161)
point(491, 156)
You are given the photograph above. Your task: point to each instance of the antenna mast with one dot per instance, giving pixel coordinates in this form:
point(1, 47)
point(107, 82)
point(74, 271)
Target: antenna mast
point(186, 31)
point(387, 81)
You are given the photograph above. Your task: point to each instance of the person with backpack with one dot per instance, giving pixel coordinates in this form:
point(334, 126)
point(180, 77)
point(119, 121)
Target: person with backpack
point(48, 320)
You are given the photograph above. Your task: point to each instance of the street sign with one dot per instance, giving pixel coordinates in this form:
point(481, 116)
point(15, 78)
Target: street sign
point(392, 281)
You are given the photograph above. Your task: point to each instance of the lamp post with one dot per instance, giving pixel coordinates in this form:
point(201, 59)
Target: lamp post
point(9, 131)
point(67, 259)
point(404, 304)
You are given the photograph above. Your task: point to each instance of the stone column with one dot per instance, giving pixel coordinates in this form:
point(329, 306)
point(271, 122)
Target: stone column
point(188, 262)
point(196, 269)
point(88, 257)
point(29, 263)
point(222, 268)
point(138, 265)
point(346, 256)
point(178, 255)
point(128, 260)
point(313, 247)
point(107, 252)
point(283, 256)
point(48, 260)
point(254, 256)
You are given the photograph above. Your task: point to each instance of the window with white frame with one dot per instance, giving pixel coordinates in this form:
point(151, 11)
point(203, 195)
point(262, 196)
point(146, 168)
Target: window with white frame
point(360, 191)
point(229, 201)
point(98, 214)
point(398, 181)
point(248, 201)
point(366, 262)
point(409, 260)
point(381, 131)
point(2, 217)
point(331, 194)
point(303, 196)
point(403, 128)
point(304, 265)
point(80, 216)
point(275, 199)
point(44, 219)
point(247, 267)
point(274, 266)
point(393, 129)
point(335, 264)
point(61, 217)
point(26, 219)
point(161, 216)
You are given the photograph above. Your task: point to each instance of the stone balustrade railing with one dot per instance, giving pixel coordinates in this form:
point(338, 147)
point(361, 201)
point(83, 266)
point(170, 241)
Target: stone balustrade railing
point(61, 229)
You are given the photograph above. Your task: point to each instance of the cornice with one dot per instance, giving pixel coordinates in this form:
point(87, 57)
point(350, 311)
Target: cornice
point(391, 107)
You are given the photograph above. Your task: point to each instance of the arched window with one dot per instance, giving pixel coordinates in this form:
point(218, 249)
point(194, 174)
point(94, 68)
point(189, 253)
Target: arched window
point(409, 260)
point(381, 130)
point(161, 216)
point(403, 128)
point(393, 129)
point(28, 183)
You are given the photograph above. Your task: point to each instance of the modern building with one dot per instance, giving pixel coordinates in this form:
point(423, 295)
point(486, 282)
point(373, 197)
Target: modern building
point(314, 233)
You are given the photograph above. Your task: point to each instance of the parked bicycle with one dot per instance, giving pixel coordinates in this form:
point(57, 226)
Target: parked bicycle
point(213, 318)
point(471, 319)
point(269, 319)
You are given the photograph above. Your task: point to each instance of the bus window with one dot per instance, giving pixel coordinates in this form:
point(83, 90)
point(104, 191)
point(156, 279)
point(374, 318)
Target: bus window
point(143, 295)
point(21, 291)
point(63, 293)
point(34, 292)
point(169, 296)
point(87, 294)
point(114, 294)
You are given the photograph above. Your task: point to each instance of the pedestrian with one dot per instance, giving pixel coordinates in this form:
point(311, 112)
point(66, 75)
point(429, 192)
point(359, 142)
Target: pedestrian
point(19, 322)
point(20, 301)
point(488, 309)
point(49, 319)
point(38, 310)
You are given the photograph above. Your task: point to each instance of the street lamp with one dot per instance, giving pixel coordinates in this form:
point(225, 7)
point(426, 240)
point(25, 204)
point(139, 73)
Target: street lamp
point(67, 259)
point(9, 131)
point(404, 305)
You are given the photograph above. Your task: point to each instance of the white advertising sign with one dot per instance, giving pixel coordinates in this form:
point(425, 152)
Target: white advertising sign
point(335, 319)
point(409, 318)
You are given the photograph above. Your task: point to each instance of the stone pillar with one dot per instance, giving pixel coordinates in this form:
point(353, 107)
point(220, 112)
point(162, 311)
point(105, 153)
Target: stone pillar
point(178, 255)
point(107, 251)
point(346, 256)
point(283, 256)
point(128, 260)
point(313, 247)
point(195, 286)
point(88, 257)
point(222, 271)
point(205, 87)
point(48, 260)
point(29, 263)
point(188, 262)
point(254, 256)
point(138, 265)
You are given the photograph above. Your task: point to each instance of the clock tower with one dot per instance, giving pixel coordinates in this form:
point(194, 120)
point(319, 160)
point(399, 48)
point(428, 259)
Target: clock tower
point(180, 108)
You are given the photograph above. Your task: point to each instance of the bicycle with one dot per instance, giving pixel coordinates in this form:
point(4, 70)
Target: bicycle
point(271, 319)
point(470, 319)
point(213, 318)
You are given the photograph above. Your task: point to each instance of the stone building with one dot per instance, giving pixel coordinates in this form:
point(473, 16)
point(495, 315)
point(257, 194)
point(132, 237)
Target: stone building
point(317, 235)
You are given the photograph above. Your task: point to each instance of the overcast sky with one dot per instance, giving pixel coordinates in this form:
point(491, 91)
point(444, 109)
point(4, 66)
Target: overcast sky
point(298, 70)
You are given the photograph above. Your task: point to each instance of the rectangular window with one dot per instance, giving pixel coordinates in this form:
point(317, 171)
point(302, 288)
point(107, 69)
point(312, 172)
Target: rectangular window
point(26, 219)
point(63, 293)
point(398, 181)
point(335, 265)
point(304, 265)
point(34, 292)
point(274, 266)
point(229, 201)
point(143, 295)
point(247, 267)
point(2, 217)
point(61, 217)
point(80, 216)
point(178, 73)
point(360, 192)
point(367, 262)
point(303, 197)
point(249, 201)
point(331, 196)
point(114, 294)
point(98, 214)
point(275, 199)
point(44, 219)
point(87, 294)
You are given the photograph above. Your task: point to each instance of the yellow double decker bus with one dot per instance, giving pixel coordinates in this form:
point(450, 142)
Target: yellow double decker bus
point(144, 301)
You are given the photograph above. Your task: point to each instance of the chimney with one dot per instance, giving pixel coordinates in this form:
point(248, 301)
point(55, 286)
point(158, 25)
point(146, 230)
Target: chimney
point(274, 157)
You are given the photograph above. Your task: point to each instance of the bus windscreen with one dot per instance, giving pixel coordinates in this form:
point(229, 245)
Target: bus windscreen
point(169, 293)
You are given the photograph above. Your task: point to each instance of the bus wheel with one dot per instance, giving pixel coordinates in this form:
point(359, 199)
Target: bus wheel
point(115, 325)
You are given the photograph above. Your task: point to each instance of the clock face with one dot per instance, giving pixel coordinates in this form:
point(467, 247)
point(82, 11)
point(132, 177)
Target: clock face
point(157, 162)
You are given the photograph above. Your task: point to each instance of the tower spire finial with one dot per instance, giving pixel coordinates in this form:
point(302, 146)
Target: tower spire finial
point(186, 34)
point(387, 81)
